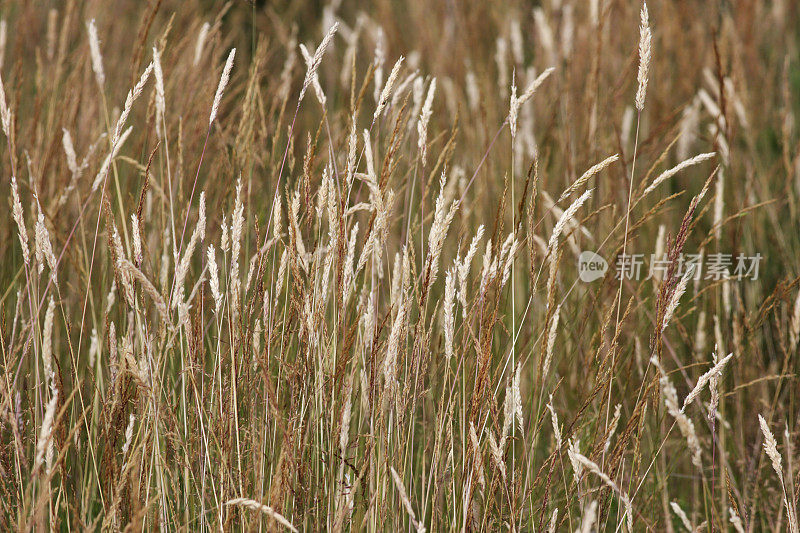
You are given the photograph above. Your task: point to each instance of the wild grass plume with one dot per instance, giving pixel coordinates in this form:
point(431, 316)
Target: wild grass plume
point(399, 266)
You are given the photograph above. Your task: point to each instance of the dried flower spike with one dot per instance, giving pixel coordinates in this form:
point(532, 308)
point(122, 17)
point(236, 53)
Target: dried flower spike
point(644, 57)
point(223, 81)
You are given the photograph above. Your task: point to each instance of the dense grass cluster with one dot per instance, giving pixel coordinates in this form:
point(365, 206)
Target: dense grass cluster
point(316, 267)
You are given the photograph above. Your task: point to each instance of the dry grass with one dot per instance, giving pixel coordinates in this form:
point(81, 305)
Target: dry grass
point(301, 268)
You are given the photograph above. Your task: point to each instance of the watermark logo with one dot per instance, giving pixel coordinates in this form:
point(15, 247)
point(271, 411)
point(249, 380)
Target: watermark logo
point(637, 267)
point(591, 266)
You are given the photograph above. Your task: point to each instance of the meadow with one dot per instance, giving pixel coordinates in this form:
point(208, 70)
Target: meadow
point(399, 266)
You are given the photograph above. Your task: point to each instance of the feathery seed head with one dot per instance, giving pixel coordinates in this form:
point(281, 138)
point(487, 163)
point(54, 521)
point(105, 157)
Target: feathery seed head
point(317, 59)
point(201, 41)
point(645, 37)
point(387, 89)
point(223, 82)
point(97, 58)
point(16, 211)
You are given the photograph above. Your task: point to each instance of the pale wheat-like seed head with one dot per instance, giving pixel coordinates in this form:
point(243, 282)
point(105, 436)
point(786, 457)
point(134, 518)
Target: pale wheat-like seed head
point(128, 435)
point(97, 57)
point(517, 397)
point(681, 515)
point(705, 379)
point(513, 111)
point(771, 447)
point(551, 340)
point(264, 509)
point(464, 266)
point(449, 320)
point(201, 42)
point(161, 104)
point(5, 111)
point(612, 427)
point(119, 264)
point(595, 169)
point(315, 78)
point(515, 38)
point(544, 33)
point(223, 82)
point(130, 271)
point(422, 124)
point(386, 92)
point(573, 450)
point(393, 347)
point(685, 424)
point(237, 228)
point(500, 57)
point(47, 343)
point(593, 467)
point(517, 101)
point(46, 433)
point(94, 347)
point(735, 521)
point(676, 296)
point(496, 452)
point(69, 150)
point(344, 433)
point(317, 59)
point(3, 40)
point(588, 517)
point(133, 94)
point(43, 246)
point(563, 220)
point(553, 521)
point(794, 327)
point(645, 37)
point(677, 168)
point(378, 61)
point(719, 203)
point(554, 420)
point(213, 279)
point(442, 219)
point(16, 212)
point(137, 240)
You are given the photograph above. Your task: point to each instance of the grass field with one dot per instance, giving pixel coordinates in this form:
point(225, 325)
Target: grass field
point(400, 266)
